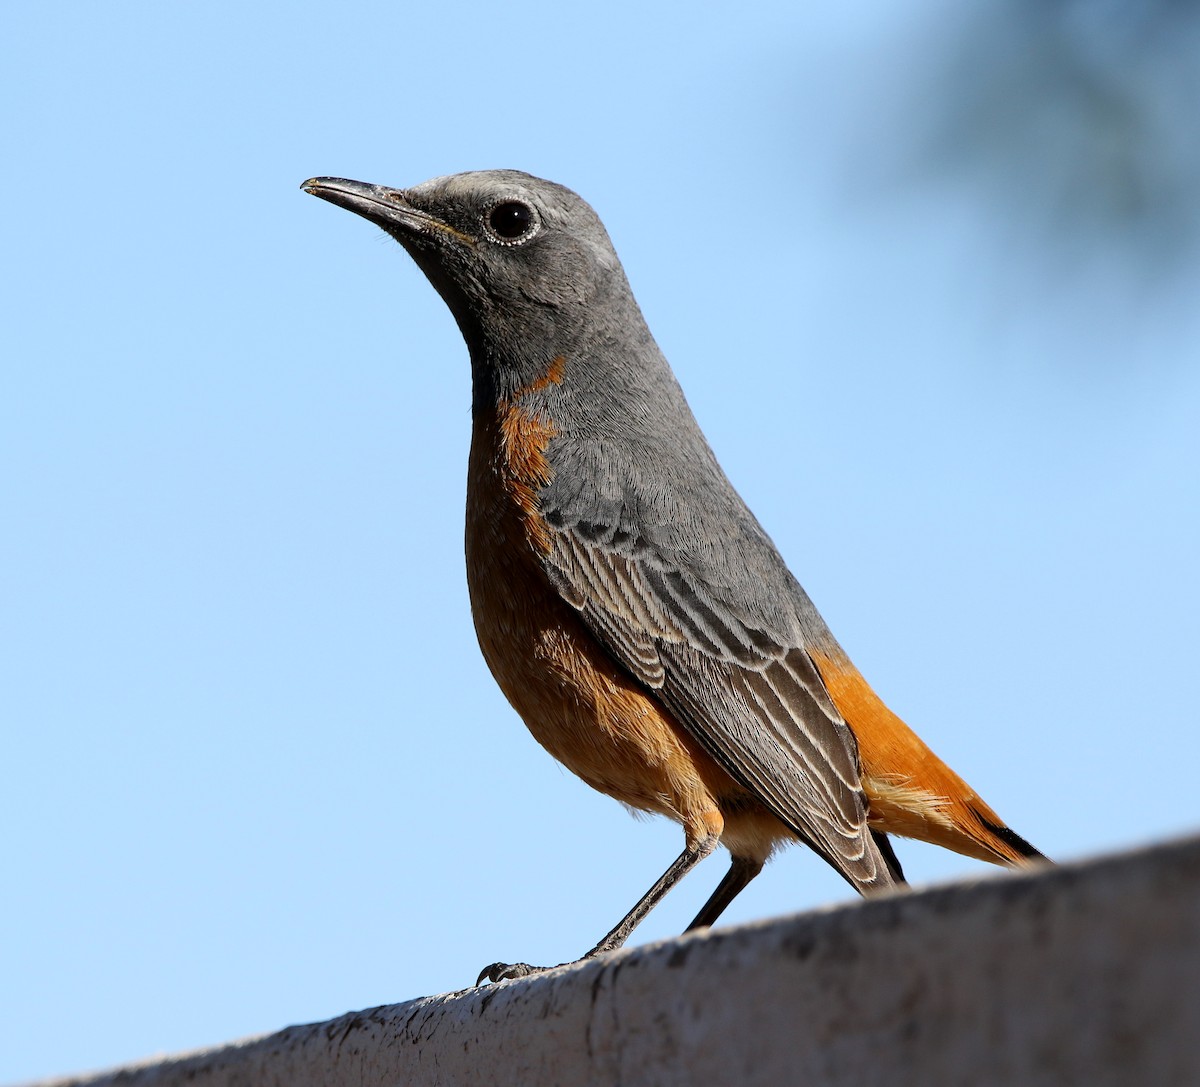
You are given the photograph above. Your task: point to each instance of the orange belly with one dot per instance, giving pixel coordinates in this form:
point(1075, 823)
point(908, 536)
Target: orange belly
point(581, 706)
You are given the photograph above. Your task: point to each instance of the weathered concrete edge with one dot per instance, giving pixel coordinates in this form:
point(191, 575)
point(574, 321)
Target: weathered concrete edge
point(1083, 972)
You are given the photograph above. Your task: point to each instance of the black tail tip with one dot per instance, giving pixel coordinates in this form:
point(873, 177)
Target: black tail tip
point(1014, 841)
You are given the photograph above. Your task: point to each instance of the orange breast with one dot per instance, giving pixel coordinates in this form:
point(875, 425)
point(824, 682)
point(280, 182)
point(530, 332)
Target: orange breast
point(578, 703)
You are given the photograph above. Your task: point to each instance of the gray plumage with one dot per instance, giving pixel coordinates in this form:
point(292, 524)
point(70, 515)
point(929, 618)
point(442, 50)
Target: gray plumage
point(650, 542)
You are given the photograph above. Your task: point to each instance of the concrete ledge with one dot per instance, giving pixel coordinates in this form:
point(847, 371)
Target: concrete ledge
point(1088, 973)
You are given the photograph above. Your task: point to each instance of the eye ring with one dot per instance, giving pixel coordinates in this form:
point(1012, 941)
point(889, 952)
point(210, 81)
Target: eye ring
point(511, 222)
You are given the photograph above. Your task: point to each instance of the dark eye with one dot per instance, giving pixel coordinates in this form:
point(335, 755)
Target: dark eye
point(511, 220)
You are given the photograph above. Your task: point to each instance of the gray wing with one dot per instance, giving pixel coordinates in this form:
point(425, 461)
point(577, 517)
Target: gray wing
point(751, 696)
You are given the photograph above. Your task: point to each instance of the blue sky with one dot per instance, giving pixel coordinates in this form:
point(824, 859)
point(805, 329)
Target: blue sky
point(256, 772)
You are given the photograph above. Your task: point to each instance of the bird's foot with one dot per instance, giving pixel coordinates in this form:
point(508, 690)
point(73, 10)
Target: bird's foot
point(509, 971)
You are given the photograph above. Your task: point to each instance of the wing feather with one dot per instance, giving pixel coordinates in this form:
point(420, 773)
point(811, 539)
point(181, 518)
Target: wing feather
point(755, 703)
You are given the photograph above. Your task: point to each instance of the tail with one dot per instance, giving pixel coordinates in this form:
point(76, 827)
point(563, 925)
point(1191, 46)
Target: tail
point(911, 792)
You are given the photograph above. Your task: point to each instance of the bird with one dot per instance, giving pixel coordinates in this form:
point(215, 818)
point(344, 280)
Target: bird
point(629, 605)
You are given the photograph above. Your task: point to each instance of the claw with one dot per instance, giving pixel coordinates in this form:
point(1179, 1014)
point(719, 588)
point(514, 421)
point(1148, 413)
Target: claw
point(506, 971)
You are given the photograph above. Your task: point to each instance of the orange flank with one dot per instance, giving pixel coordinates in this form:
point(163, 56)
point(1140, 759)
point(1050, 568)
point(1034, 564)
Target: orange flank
point(910, 790)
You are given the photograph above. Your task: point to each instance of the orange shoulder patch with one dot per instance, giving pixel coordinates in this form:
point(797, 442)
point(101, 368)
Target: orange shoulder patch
point(519, 452)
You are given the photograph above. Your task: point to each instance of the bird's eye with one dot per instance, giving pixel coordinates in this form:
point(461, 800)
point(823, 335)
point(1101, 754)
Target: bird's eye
point(512, 221)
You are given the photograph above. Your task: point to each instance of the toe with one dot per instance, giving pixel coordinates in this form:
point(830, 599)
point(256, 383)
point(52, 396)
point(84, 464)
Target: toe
point(507, 971)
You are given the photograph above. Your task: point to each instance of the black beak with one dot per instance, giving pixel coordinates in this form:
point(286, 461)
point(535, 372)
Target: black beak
point(386, 208)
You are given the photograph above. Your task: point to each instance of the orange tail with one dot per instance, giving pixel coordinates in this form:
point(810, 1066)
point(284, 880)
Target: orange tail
point(911, 792)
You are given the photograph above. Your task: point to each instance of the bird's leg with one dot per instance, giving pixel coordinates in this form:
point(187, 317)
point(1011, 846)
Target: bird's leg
point(741, 871)
point(684, 863)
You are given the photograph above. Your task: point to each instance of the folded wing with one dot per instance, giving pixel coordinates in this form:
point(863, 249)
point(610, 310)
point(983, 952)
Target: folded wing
point(756, 704)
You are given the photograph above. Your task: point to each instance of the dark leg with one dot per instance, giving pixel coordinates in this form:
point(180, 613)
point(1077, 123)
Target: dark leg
point(741, 871)
point(684, 863)
point(889, 855)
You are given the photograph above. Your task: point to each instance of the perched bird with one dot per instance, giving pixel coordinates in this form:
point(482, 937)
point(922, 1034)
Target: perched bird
point(627, 602)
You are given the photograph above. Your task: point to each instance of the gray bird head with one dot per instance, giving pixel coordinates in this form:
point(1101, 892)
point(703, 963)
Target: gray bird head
point(525, 266)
